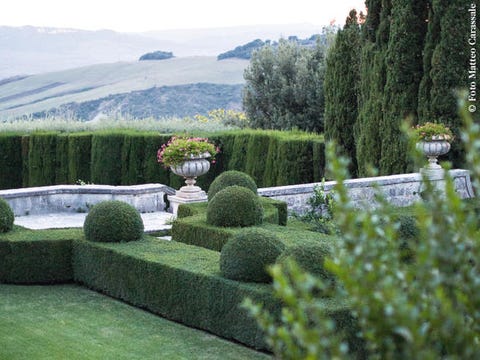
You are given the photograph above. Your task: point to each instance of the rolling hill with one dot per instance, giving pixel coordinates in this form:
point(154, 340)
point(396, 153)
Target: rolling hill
point(21, 96)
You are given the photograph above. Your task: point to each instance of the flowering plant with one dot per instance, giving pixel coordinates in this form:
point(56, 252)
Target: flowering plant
point(432, 131)
point(178, 149)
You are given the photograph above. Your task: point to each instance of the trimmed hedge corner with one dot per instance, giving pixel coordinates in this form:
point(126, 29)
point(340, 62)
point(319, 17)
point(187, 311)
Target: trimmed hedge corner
point(37, 257)
point(247, 254)
point(113, 221)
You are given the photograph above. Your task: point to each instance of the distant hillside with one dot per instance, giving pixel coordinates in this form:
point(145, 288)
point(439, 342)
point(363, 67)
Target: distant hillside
point(40, 93)
point(34, 50)
point(165, 101)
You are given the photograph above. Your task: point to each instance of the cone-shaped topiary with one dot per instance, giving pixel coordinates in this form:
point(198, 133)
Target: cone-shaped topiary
point(246, 255)
point(6, 216)
point(310, 258)
point(229, 178)
point(235, 206)
point(113, 221)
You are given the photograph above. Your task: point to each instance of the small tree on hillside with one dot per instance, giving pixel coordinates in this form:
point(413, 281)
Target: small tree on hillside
point(284, 87)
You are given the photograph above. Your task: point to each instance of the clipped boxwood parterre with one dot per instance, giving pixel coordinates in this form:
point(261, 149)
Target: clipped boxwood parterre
point(175, 280)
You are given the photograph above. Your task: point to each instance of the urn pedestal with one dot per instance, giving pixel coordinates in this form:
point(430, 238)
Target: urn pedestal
point(432, 150)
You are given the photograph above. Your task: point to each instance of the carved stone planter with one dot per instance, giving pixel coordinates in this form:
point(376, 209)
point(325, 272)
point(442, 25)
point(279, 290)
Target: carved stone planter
point(432, 150)
point(190, 169)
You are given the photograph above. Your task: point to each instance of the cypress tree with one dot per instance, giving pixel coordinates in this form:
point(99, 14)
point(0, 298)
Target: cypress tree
point(404, 65)
point(450, 60)
point(341, 87)
point(431, 40)
point(372, 83)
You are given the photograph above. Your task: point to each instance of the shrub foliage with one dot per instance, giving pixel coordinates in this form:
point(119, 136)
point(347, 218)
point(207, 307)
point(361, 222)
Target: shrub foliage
point(247, 254)
point(6, 216)
point(235, 206)
point(113, 221)
point(229, 178)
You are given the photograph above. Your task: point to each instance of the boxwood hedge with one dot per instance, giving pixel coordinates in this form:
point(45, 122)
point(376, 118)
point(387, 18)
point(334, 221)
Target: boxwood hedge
point(129, 157)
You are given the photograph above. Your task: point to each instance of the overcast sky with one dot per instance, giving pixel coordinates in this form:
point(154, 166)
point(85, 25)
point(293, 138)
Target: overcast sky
point(145, 15)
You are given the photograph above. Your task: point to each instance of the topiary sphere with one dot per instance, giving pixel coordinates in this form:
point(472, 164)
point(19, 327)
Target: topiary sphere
point(6, 216)
point(230, 178)
point(113, 221)
point(235, 206)
point(246, 255)
point(310, 258)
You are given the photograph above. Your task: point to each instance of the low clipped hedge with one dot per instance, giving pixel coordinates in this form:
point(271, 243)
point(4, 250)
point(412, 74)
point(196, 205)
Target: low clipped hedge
point(37, 257)
point(174, 280)
point(177, 281)
point(191, 226)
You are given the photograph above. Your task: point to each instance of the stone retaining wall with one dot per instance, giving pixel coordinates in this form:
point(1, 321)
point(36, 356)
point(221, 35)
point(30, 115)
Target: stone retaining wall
point(79, 198)
point(399, 190)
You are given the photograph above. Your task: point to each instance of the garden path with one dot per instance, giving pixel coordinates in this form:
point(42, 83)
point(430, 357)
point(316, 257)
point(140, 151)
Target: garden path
point(154, 221)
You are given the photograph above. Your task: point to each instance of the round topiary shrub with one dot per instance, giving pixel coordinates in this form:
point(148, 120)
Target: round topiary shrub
point(235, 206)
point(6, 216)
point(113, 221)
point(310, 258)
point(247, 254)
point(230, 178)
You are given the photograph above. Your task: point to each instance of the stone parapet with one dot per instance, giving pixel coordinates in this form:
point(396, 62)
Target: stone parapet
point(79, 198)
point(399, 190)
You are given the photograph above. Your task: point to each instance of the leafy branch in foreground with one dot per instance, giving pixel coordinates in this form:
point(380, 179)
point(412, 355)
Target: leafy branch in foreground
point(425, 308)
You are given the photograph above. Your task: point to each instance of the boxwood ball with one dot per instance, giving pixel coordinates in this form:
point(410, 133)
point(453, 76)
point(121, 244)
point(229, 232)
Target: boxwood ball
point(230, 178)
point(246, 255)
point(113, 221)
point(235, 206)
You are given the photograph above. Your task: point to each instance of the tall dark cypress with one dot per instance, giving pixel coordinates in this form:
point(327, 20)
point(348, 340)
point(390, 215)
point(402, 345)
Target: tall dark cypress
point(450, 60)
point(431, 40)
point(341, 87)
point(404, 67)
point(372, 83)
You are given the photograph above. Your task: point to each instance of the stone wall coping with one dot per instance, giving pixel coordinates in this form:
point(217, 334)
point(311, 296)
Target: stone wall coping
point(355, 183)
point(86, 189)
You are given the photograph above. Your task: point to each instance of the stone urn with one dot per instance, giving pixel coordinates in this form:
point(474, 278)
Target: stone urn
point(190, 169)
point(433, 149)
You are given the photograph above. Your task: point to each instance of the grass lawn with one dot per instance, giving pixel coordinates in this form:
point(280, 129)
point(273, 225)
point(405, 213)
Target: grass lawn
point(71, 322)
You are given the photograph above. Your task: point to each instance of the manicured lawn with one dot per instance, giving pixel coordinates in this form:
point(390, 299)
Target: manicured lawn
point(71, 322)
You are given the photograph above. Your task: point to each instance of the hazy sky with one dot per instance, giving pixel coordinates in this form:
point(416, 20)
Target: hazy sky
point(144, 15)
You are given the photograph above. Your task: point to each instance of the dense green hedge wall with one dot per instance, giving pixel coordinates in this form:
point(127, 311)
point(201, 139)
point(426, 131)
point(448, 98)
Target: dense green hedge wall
point(79, 157)
point(11, 163)
point(129, 157)
point(42, 159)
point(107, 164)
